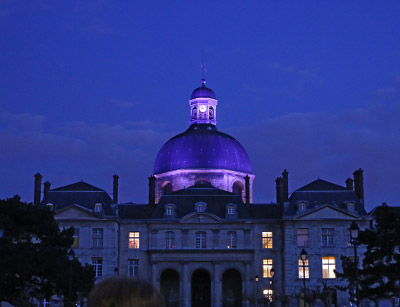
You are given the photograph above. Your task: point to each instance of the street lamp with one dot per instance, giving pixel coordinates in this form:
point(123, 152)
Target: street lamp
point(271, 282)
point(304, 257)
point(70, 258)
point(354, 238)
point(256, 290)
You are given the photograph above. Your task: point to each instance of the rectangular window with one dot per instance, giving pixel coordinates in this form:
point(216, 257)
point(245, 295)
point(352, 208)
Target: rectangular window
point(97, 237)
point(134, 239)
point(267, 239)
point(169, 240)
point(133, 267)
point(76, 238)
point(304, 269)
point(268, 294)
point(200, 239)
point(328, 267)
point(267, 266)
point(327, 235)
point(97, 264)
point(231, 239)
point(302, 236)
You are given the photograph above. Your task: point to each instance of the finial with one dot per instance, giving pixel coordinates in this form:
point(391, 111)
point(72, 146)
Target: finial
point(203, 82)
point(203, 67)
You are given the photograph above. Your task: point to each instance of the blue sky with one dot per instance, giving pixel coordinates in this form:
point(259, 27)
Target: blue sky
point(93, 88)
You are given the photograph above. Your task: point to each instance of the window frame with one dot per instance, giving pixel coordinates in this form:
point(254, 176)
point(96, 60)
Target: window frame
point(306, 268)
point(169, 240)
point(267, 265)
point(134, 239)
point(328, 268)
point(232, 239)
point(201, 240)
point(302, 237)
point(75, 237)
point(327, 236)
point(98, 237)
point(133, 268)
point(97, 264)
point(267, 239)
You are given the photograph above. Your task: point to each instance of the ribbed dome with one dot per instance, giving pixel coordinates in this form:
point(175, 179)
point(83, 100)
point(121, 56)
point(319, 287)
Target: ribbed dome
point(203, 92)
point(202, 147)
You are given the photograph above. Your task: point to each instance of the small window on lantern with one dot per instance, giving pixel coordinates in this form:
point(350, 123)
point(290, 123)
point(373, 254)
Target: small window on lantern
point(169, 210)
point(98, 207)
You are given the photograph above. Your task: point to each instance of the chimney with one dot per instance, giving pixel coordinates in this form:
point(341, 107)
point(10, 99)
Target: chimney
point(152, 191)
point(46, 188)
point(37, 191)
point(247, 187)
point(279, 189)
point(285, 186)
point(115, 189)
point(359, 184)
point(349, 184)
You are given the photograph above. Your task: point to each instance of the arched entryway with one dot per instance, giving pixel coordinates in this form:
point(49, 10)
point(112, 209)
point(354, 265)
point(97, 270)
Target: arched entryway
point(169, 286)
point(201, 288)
point(231, 288)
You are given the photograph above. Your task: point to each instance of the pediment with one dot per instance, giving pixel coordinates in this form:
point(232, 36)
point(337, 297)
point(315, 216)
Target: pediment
point(200, 218)
point(326, 213)
point(76, 212)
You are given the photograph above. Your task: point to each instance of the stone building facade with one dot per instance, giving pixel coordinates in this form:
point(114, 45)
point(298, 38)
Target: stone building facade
point(200, 238)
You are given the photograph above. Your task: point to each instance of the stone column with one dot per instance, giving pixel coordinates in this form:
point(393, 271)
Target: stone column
point(153, 275)
point(246, 283)
point(185, 280)
point(216, 292)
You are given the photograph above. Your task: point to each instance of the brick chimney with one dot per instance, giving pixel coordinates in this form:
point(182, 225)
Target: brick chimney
point(285, 185)
point(349, 184)
point(247, 189)
point(279, 189)
point(152, 191)
point(37, 191)
point(359, 184)
point(46, 188)
point(115, 189)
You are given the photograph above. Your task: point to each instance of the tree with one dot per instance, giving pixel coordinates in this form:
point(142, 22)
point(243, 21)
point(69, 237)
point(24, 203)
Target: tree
point(33, 255)
point(379, 276)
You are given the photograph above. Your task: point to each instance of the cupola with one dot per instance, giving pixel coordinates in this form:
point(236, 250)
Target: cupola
point(203, 105)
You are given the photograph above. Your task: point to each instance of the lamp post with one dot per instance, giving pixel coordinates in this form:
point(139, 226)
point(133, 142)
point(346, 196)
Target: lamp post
point(304, 257)
point(271, 282)
point(70, 258)
point(354, 237)
point(256, 290)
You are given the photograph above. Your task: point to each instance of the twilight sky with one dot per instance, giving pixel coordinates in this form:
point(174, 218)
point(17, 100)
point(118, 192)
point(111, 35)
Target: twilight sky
point(94, 87)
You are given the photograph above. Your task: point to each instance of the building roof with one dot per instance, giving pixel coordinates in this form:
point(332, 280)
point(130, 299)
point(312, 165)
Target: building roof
point(203, 92)
point(79, 193)
point(202, 146)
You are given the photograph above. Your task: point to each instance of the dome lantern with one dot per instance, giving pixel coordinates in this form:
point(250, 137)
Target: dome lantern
point(203, 105)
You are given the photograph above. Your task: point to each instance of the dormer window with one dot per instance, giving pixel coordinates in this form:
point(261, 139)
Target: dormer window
point(200, 207)
point(169, 210)
point(231, 209)
point(301, 207)
point(98, 207)
point(50, 206)
point(351, 207)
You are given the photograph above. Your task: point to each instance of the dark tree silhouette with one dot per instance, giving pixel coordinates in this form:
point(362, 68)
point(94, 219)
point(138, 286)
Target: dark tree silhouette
point(33, 256)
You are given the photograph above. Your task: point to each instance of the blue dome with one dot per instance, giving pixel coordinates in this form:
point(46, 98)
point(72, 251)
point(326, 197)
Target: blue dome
point(203, 92)
point(202, 147)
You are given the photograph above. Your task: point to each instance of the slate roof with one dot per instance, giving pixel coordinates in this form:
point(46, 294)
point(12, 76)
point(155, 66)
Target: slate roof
point(79, 193)
point(321, 192)
point(134, 211)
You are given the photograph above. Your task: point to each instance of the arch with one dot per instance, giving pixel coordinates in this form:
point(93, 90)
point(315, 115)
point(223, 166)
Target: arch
point(231, 288)
point(211, 113)
point(194, 112)
point(169, 287)
point(237, 187)
point(167, 187)
point(201, 288)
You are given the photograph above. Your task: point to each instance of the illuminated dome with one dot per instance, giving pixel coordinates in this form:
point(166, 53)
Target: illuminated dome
point(203, 92)
point(202, 147)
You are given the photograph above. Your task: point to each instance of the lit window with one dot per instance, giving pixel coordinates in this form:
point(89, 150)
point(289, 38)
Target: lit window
point(327, 235)
point(76, 238)
point(267, 239)
point(169, 240)
point(267, 266)
point(134, 239)
point(328, 267)
point(97, 264)
point(200, 239)
point(133, 267)
point(302, 236)
point(98, 207)
point(268, 294)
point(304, 269)
point(231, 239)
point(97, 237)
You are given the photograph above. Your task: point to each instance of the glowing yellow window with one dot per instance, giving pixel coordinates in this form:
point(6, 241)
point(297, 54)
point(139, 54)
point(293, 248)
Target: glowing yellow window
point(134, 239)
point(267, 239)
